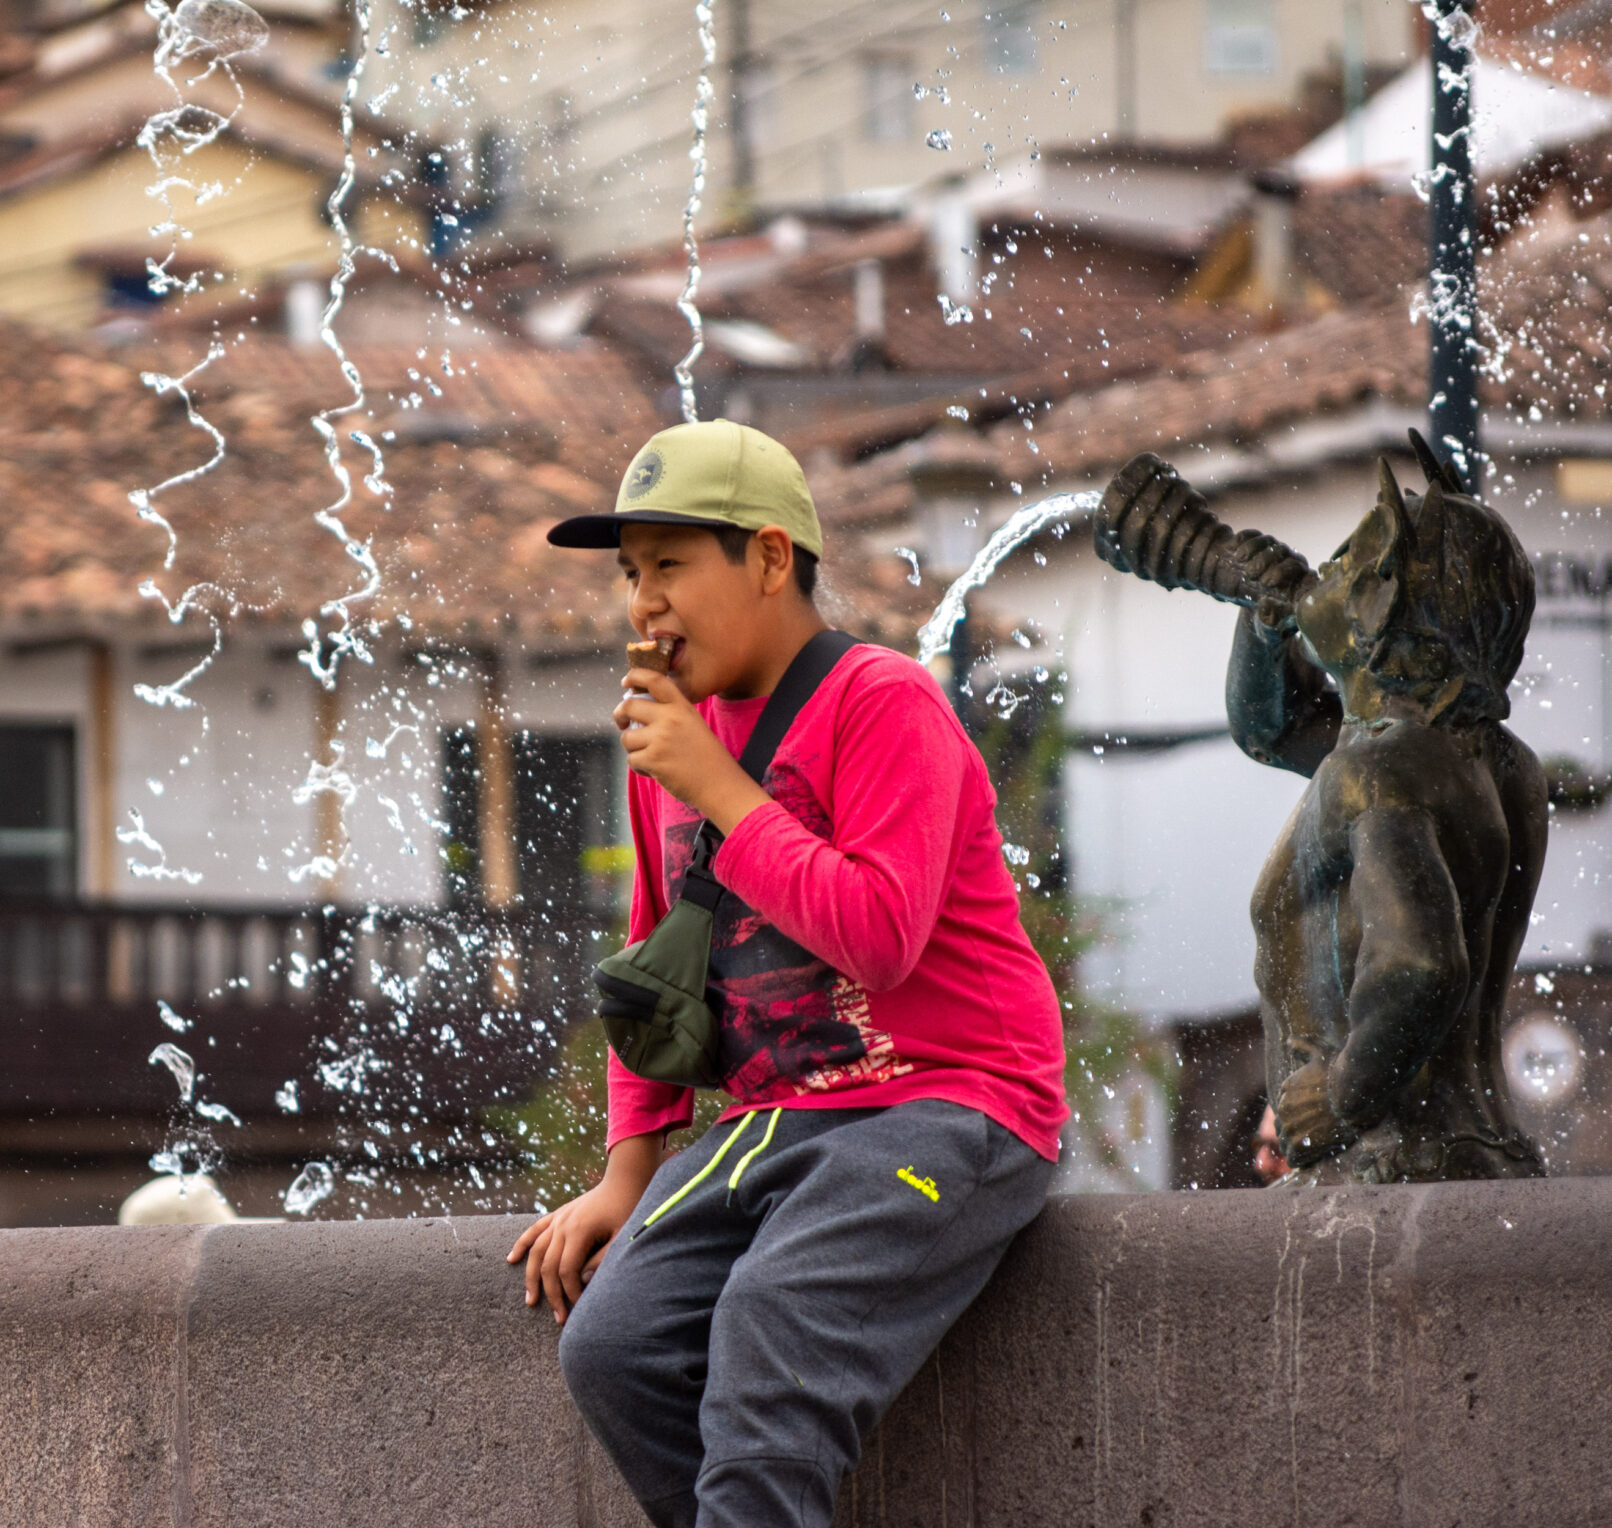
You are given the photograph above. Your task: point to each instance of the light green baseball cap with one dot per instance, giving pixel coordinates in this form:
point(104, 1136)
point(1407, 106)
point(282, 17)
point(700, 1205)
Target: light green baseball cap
point(714, 473)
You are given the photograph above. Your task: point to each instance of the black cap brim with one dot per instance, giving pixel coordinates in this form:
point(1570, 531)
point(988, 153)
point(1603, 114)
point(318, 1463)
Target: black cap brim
point(600, 532)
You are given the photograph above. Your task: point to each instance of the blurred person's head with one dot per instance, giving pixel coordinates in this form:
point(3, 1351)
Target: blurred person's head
point(1269, 1162)
point(171, 1200)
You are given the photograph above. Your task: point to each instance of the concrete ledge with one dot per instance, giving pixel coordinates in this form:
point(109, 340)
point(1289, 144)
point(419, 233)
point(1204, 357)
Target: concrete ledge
point(1336, 1359)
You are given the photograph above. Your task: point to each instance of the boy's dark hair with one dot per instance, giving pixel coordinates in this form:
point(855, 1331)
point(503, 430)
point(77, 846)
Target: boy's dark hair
point(734, 539)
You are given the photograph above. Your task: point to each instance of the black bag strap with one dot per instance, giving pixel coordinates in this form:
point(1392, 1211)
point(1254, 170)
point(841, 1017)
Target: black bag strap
point(808, 669)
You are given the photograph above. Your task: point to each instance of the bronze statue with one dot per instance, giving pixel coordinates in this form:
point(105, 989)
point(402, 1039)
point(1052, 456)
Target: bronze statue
point(1391, 911)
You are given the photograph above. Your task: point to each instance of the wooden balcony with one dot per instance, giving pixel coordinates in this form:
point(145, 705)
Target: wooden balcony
point(435, 1013)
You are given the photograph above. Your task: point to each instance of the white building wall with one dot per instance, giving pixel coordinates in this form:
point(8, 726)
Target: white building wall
point(1169, 844)
point(212, 783)
point(216, 786)
point(595, 98)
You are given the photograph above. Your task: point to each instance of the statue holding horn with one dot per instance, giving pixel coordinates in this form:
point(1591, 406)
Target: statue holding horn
point(1391, 911)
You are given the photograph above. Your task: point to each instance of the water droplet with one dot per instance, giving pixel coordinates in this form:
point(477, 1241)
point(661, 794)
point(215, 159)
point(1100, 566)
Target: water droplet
point(227, 27)
point(171, 1019)
point(315, 1182)
point(914, 577)
point(956, 410)
point(940, 139)
point(285, 1097)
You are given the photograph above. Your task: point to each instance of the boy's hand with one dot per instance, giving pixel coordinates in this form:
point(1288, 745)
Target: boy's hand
point(674, 746)
point(563, 1248)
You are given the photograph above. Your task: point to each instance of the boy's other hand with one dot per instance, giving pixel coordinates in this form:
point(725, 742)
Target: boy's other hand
point(563, 1248)
point(673, 745)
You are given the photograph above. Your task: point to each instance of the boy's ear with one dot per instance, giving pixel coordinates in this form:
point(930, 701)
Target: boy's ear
point(777, 554)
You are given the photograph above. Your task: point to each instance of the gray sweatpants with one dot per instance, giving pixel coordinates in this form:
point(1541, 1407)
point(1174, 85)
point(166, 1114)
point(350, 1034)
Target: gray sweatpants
point(777, 1287)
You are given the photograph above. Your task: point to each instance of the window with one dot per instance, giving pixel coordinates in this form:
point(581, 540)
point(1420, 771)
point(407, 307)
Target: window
point(565, 792)
point(565, 807)
point(1240, 37)
point(887, 82)
point(430, 21)
point(38, 844)
point(497, 167)
point(1010, 37)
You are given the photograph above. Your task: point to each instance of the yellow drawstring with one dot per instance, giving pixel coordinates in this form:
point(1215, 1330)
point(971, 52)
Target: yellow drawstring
point(755, 1151)
point(699, 1177)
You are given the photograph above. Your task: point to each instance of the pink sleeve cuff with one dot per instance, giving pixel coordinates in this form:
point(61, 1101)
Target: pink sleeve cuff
point(641, 1107)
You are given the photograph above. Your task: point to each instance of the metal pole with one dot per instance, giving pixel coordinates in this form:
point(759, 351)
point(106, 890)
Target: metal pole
point(1125, 69)
point(1452, 410)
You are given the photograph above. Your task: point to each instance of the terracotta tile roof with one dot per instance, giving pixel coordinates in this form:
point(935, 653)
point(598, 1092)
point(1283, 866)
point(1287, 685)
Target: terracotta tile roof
point(459, 542)
point(1043, 327)
point(1547, 324)
point(1362, 244)
point(517, 439)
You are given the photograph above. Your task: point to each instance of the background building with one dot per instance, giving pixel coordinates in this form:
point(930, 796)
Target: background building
point(367, 910)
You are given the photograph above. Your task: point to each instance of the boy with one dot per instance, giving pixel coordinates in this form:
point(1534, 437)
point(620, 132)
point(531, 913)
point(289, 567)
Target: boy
point(890, 1038)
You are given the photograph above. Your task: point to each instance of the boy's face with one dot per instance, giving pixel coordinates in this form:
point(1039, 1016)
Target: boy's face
point(680, 584)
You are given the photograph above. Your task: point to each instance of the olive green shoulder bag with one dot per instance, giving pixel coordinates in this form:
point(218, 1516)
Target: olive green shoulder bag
point(660, 1014)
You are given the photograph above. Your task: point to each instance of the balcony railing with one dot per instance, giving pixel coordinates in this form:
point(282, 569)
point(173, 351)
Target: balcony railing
point(441, 1010)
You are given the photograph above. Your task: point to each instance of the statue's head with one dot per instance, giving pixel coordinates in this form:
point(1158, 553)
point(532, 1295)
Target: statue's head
point(1430, 598)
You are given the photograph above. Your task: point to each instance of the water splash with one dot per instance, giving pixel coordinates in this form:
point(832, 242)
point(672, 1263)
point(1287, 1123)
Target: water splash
point(1028, 520)
point(345, 639)
point(215, 31)
point(222, 27)
point(140, 838)
point(701, 115)
point(315, 1182)
point(180, 1064)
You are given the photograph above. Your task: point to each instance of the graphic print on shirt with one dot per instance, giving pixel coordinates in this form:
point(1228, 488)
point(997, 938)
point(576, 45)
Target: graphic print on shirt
point(791, 1023)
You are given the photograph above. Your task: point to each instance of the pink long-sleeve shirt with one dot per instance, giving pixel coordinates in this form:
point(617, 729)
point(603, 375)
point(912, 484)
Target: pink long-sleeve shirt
point(869, 951)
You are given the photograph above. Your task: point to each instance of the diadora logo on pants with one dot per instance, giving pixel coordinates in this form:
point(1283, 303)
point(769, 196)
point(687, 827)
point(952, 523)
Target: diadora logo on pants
point(925, 1186)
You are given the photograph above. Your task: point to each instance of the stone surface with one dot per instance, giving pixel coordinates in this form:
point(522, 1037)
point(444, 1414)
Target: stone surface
point(1348, 1358)
point(92, 1358)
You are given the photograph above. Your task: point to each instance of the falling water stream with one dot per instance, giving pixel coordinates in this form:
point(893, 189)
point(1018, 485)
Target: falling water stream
point(1056, 513)
point(703, 91)
point(345, 638)
point(207, 34)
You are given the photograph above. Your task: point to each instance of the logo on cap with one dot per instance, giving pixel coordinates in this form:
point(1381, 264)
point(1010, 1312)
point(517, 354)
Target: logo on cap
point(643, 475)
